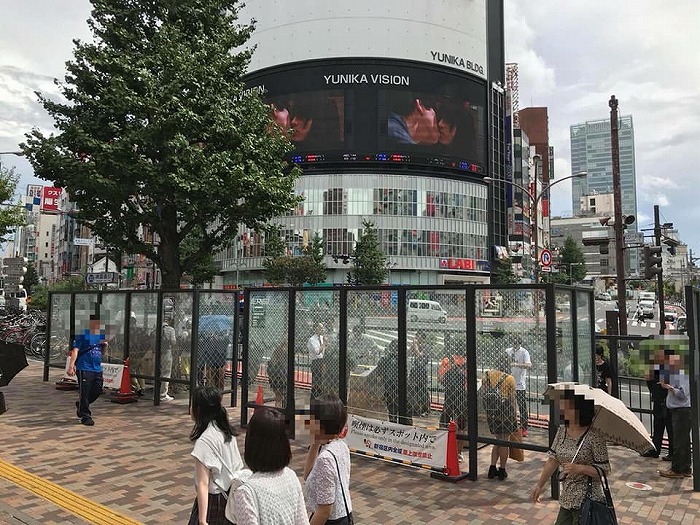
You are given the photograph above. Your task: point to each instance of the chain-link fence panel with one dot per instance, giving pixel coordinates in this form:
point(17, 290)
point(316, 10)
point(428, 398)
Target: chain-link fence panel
point(142, 339)
point(112, 312)
point(372, 354)
point(215, 338)
point(565, 338)
point(584, 326)
point(511, 357)
point(267, 345)
point(176, 342)
point(60, 330)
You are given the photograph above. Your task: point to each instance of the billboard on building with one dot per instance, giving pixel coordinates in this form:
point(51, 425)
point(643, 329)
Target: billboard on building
point(449, 33)
point(50, 198)
point(354, 111)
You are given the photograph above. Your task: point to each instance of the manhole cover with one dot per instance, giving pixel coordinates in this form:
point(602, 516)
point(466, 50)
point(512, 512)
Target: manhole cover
point(638, 486)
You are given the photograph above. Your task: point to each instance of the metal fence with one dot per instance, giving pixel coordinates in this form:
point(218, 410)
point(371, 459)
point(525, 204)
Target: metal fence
point(415, 355)
point(197, 342)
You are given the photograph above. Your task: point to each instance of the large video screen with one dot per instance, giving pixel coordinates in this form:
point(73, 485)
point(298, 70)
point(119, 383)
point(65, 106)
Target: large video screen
point(378, 112)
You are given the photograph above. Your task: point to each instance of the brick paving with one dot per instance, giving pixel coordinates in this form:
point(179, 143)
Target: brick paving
point(136, 461)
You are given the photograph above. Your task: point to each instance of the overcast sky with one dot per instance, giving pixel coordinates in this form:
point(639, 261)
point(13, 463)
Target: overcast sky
point(572, 56)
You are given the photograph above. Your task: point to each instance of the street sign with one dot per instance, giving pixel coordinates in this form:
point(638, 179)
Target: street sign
point(101, 277)
point(546, 257)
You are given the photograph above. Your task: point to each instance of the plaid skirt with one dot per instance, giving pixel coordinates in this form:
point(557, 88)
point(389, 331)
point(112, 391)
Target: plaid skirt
point(216, 509)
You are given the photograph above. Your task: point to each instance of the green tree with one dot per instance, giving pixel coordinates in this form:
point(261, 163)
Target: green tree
point(10, 215)
point(275, 264)
point(503, 273)
point(40, 298)
point(158, 131)
point(572, 262)
point(294, 270)
point(31, 278)
point(369, 262)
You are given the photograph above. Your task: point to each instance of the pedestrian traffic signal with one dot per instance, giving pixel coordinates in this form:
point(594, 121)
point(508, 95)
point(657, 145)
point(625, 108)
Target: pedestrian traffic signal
point(652, 262)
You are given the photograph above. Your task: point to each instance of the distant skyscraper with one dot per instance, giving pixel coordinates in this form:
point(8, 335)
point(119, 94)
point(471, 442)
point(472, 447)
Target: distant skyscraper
point(591, 152)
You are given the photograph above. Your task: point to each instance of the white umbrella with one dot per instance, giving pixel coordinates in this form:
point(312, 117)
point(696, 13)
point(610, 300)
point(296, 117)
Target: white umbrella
point(613, 419)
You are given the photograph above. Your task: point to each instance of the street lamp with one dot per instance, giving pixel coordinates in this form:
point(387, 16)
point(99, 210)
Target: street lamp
point(16, 153)
point(535, 199)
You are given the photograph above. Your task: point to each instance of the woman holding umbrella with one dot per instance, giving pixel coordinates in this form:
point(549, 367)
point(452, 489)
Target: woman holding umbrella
point(577, 447)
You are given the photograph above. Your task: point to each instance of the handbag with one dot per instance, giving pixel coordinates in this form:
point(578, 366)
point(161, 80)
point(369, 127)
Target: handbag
point(598, 512)
point(347, 519)
point(516, 453)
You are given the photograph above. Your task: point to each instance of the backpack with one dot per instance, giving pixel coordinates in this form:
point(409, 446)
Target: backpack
point(495, 404)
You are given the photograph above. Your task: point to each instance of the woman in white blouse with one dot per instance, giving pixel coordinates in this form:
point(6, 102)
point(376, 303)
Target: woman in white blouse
point(327, 469)
point(272, 495)
point(216, 457)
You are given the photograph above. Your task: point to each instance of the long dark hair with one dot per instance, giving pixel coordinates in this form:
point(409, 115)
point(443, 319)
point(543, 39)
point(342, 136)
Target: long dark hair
point(207, 407)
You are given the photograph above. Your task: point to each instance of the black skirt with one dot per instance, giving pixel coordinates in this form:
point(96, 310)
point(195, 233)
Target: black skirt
point(216, 511)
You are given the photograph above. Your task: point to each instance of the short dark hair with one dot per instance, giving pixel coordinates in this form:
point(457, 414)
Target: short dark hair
point(599, 350)
point(585, 408)
point(266, 442)
point(95, 317)
point(330, 412)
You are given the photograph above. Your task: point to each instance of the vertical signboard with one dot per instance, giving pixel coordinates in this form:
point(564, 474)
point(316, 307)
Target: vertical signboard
point(50, 198)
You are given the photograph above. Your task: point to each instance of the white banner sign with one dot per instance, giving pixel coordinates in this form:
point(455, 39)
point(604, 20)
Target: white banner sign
point(111, 374)
point(78, 241)
point(402, 442)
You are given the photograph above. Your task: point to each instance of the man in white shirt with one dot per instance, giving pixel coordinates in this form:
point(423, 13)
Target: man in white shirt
point(520, 366)
point(317, 348)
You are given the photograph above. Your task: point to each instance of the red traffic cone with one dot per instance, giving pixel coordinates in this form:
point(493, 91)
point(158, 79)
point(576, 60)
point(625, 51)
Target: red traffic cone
point(259, 399)
point(125, 395)
point(452, 472)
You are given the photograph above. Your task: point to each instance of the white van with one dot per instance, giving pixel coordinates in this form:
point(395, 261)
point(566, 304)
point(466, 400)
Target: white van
point(647, 296)
point(423, 310)
point(647, 309)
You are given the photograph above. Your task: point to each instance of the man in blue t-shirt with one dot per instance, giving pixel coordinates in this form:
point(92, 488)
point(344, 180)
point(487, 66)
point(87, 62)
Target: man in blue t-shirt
point(86, 362)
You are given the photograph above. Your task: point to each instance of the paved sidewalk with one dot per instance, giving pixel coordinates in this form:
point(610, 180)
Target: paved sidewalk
point(136, 461)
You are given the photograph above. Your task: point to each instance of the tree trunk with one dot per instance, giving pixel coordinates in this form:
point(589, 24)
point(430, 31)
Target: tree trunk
point(170, 270)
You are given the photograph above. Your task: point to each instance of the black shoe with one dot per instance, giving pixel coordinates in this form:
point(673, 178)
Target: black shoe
point(493, 472)
point(502, 474)
point(88, 422)
point(667, 458)
point(651, 454)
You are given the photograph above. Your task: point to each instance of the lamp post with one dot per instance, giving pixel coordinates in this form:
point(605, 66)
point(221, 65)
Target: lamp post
point(535, 199)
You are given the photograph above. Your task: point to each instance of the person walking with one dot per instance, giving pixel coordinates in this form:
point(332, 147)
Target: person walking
point(678, 404)
point(86, 363)
point(273, 494)
point(521, 364)
point(217, 459)
point(167, 345)
point(327, 468)
point(603, 371)
point(576, 448)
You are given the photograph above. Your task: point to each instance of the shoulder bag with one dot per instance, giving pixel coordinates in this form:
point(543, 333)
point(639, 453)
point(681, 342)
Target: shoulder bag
point(598, 512)
point(347, 519)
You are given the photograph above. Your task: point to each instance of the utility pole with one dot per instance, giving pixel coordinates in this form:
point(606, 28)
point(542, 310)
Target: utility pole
point(619, 225)
point(660, 276)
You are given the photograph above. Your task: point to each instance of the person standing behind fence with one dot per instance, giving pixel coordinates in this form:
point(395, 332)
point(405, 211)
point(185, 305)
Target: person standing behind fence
point(216, 454)
point(273, 494)
point(388, 371)
point(277, 373)
point(498, 399)
point(521, 364)
point(86, 363)
point(327, 468)
point(168, 341)
point(603, 371)
point(316, 347)
point(678, 404)
point(418, 385)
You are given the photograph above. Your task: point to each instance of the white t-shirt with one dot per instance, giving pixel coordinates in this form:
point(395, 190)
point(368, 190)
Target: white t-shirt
point(269, 498)
point(520, 356)
point(315, 346)
point(322, 487)
point(221, 458)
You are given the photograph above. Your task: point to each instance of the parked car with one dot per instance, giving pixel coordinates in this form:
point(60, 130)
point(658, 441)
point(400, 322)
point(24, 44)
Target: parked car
point(604, 296)
point(681, 325)
point(670, 315)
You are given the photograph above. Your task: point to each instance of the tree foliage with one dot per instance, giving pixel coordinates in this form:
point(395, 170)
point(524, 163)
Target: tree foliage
point(31, 278)
point(156, 130)
point(572, 263)
point(293, 270)
point(40, 297)
point(369, 262)
point(503, 273)
point(10, 215)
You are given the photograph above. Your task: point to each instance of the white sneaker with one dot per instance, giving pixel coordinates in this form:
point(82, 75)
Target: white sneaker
point(166, 397)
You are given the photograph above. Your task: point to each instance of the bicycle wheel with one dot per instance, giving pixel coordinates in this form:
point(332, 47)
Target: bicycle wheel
point(38, 345)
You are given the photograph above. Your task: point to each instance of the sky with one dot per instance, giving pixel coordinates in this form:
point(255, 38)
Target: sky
point(572, 56)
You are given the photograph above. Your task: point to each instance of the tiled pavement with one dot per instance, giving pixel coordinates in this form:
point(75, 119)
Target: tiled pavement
point(136, 461)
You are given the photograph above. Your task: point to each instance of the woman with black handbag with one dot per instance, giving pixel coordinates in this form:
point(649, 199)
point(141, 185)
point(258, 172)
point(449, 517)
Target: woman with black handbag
point(327, 468)
point(581, 451)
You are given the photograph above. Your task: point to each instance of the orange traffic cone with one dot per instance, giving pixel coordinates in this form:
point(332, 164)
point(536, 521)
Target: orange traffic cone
point(259, 399)
point(125, 395)
point(452, 472)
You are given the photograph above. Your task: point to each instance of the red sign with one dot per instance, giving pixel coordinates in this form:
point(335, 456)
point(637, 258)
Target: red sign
point(459, 264)
point(50, 197)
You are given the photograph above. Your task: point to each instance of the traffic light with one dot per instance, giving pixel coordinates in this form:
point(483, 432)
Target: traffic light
point(652, 261)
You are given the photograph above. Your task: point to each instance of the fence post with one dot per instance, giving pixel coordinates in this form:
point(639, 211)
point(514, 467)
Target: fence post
point(551, 323)
point(472, 396)
point(402, 357)
point(692, 301)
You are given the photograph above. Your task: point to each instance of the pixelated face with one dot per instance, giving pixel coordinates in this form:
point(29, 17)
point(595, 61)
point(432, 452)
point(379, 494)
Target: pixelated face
point(676, 362)
point(313, 426)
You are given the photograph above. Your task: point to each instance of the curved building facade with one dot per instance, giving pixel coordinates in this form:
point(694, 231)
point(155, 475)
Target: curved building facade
point(390, 107)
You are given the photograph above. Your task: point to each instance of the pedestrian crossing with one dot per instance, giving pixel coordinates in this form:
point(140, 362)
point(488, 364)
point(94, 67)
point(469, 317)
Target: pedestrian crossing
point(641, 324)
